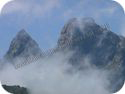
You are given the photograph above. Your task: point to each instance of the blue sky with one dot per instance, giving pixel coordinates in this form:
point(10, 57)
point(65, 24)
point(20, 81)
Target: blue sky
point(44, 19)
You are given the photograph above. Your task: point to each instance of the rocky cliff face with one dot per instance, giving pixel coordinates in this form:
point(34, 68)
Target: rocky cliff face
point(23, 46)
point(85, 37)
point(106, 49)
point(15, 89)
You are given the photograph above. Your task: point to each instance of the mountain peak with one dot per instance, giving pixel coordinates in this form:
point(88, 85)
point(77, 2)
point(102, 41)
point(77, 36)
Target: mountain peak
point(77, 29)
point(82, 21)
point(23, 46)
point(85, 37)
point(22, 34)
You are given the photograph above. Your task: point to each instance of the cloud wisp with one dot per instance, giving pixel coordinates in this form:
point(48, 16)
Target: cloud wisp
point(57, 76)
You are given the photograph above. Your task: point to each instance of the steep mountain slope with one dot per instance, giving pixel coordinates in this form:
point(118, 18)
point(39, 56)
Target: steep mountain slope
point(23, 46)
point(105, 49)
point(85, 37)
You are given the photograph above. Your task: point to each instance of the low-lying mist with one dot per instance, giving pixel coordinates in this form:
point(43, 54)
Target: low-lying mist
point(55, 75)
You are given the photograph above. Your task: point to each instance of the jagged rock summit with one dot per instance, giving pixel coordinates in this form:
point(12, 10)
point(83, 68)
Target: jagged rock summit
point(86, 38)
point(105, 49)
point(23, 46)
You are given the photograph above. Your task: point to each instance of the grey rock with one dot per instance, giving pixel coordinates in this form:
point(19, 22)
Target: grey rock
point(16, 89)
point(23, 46)
point(86, 38)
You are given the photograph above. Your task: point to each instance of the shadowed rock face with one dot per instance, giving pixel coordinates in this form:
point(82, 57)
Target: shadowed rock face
point(15, 89)
point(23, 46)
point(106, 49)
point(86, 38)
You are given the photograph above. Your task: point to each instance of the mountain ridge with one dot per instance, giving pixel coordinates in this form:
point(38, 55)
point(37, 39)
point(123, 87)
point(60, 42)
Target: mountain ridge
point(85, 38)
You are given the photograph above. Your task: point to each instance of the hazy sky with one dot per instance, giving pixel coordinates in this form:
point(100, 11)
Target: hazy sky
point(44, 19)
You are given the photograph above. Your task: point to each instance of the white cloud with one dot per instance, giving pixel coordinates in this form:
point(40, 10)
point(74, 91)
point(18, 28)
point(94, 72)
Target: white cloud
point(89, 8)
point(32, 8)
point(56, 76)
